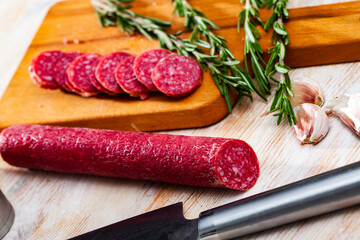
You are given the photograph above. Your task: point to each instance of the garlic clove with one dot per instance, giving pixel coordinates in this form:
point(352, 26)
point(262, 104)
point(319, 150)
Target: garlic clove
point(312, 123)
point(306, 91)
point(347, 108)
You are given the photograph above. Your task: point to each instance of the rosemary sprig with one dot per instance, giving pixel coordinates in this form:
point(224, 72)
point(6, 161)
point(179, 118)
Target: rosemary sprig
point(202, 30)
point(249, 18)
point(280, 38)
point(225, 71)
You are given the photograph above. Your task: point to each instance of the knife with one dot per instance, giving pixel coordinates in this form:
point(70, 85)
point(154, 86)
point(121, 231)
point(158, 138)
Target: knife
point(313, 196)
point(6, 215)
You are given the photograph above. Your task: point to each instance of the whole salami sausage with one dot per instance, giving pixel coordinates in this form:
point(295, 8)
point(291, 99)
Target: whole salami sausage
point(201, 161)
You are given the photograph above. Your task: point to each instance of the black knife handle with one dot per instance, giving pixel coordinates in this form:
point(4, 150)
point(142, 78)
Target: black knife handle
point(313, 196)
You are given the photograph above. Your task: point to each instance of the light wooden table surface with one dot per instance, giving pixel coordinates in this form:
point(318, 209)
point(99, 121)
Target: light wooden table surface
point(59, 206)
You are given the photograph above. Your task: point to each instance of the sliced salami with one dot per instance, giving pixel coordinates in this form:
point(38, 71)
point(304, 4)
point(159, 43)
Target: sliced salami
point(43, 69)
point(36, 79)
point(145, 63)
point(201, 161)
point(93, 79)
point(105, 71)
point(79, 72)
point(177, 75)
point(127, 80)
point(60, 75)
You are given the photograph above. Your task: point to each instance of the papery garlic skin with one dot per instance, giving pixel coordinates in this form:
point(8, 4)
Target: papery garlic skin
point(347, 108)
point(306, 91)
point(312, 123)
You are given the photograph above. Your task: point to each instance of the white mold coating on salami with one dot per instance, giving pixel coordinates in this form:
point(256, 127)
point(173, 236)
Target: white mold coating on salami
point(201, 161)
point(177, 76)
point(79, 73)
point(127, 80)
point(145, 63)
point(105, 71)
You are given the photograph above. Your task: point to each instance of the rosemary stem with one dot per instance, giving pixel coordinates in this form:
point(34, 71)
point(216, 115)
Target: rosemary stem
point(247, 6)
point(101, 4)
point(281, 59)
point(186, 4)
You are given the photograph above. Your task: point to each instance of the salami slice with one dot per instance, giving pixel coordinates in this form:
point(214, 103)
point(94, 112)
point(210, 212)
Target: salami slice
point(145, 63)
point(43, 69)
point(61, 66)
point(105, 71)
point(201, 161)
point(94, 80)
point(127, 80)
point(33, 75)
point(79, 72)
point(177, 76)
point(36, 79)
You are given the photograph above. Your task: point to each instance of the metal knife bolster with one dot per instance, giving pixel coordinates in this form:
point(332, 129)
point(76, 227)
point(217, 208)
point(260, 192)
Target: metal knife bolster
point(313, 196)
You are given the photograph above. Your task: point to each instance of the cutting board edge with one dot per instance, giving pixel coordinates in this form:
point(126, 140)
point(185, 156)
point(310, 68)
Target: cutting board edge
point(141, 122)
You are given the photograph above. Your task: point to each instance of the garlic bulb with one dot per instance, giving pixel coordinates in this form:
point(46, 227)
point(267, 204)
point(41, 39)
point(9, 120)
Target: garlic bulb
point(347, 108)
point(312, 123)
point(306, 91)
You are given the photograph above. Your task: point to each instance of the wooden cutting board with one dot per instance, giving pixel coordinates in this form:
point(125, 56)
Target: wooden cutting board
point(319, 35)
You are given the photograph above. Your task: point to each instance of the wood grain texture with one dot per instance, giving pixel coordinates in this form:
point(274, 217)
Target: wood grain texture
point(59, 206)
point(75, 20)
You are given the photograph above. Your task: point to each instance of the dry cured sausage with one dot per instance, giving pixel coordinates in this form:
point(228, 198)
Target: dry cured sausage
point(61, 66)
point(94, 80)
point(43, 67)
point(201, 161)
point(177, 75)
point(79, 72)
point(127, 80)
point(145, 63)
point(105, 71)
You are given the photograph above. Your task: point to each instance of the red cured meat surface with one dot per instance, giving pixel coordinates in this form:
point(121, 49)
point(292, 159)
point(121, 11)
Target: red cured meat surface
point(43, 69)
point(177, 76)
point(63, 63)
point(145, 63)
point(79, 72)
point(36, 79)
point(105, 71)
point(93, 79)
point(127, 80)
point(202, 161)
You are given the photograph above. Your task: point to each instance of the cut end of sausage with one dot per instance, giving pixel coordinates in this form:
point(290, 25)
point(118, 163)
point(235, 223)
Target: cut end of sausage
point(237, 165)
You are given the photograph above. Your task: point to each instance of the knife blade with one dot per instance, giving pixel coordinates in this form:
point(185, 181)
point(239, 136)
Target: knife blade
point(164, 223)
point(310, 197)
